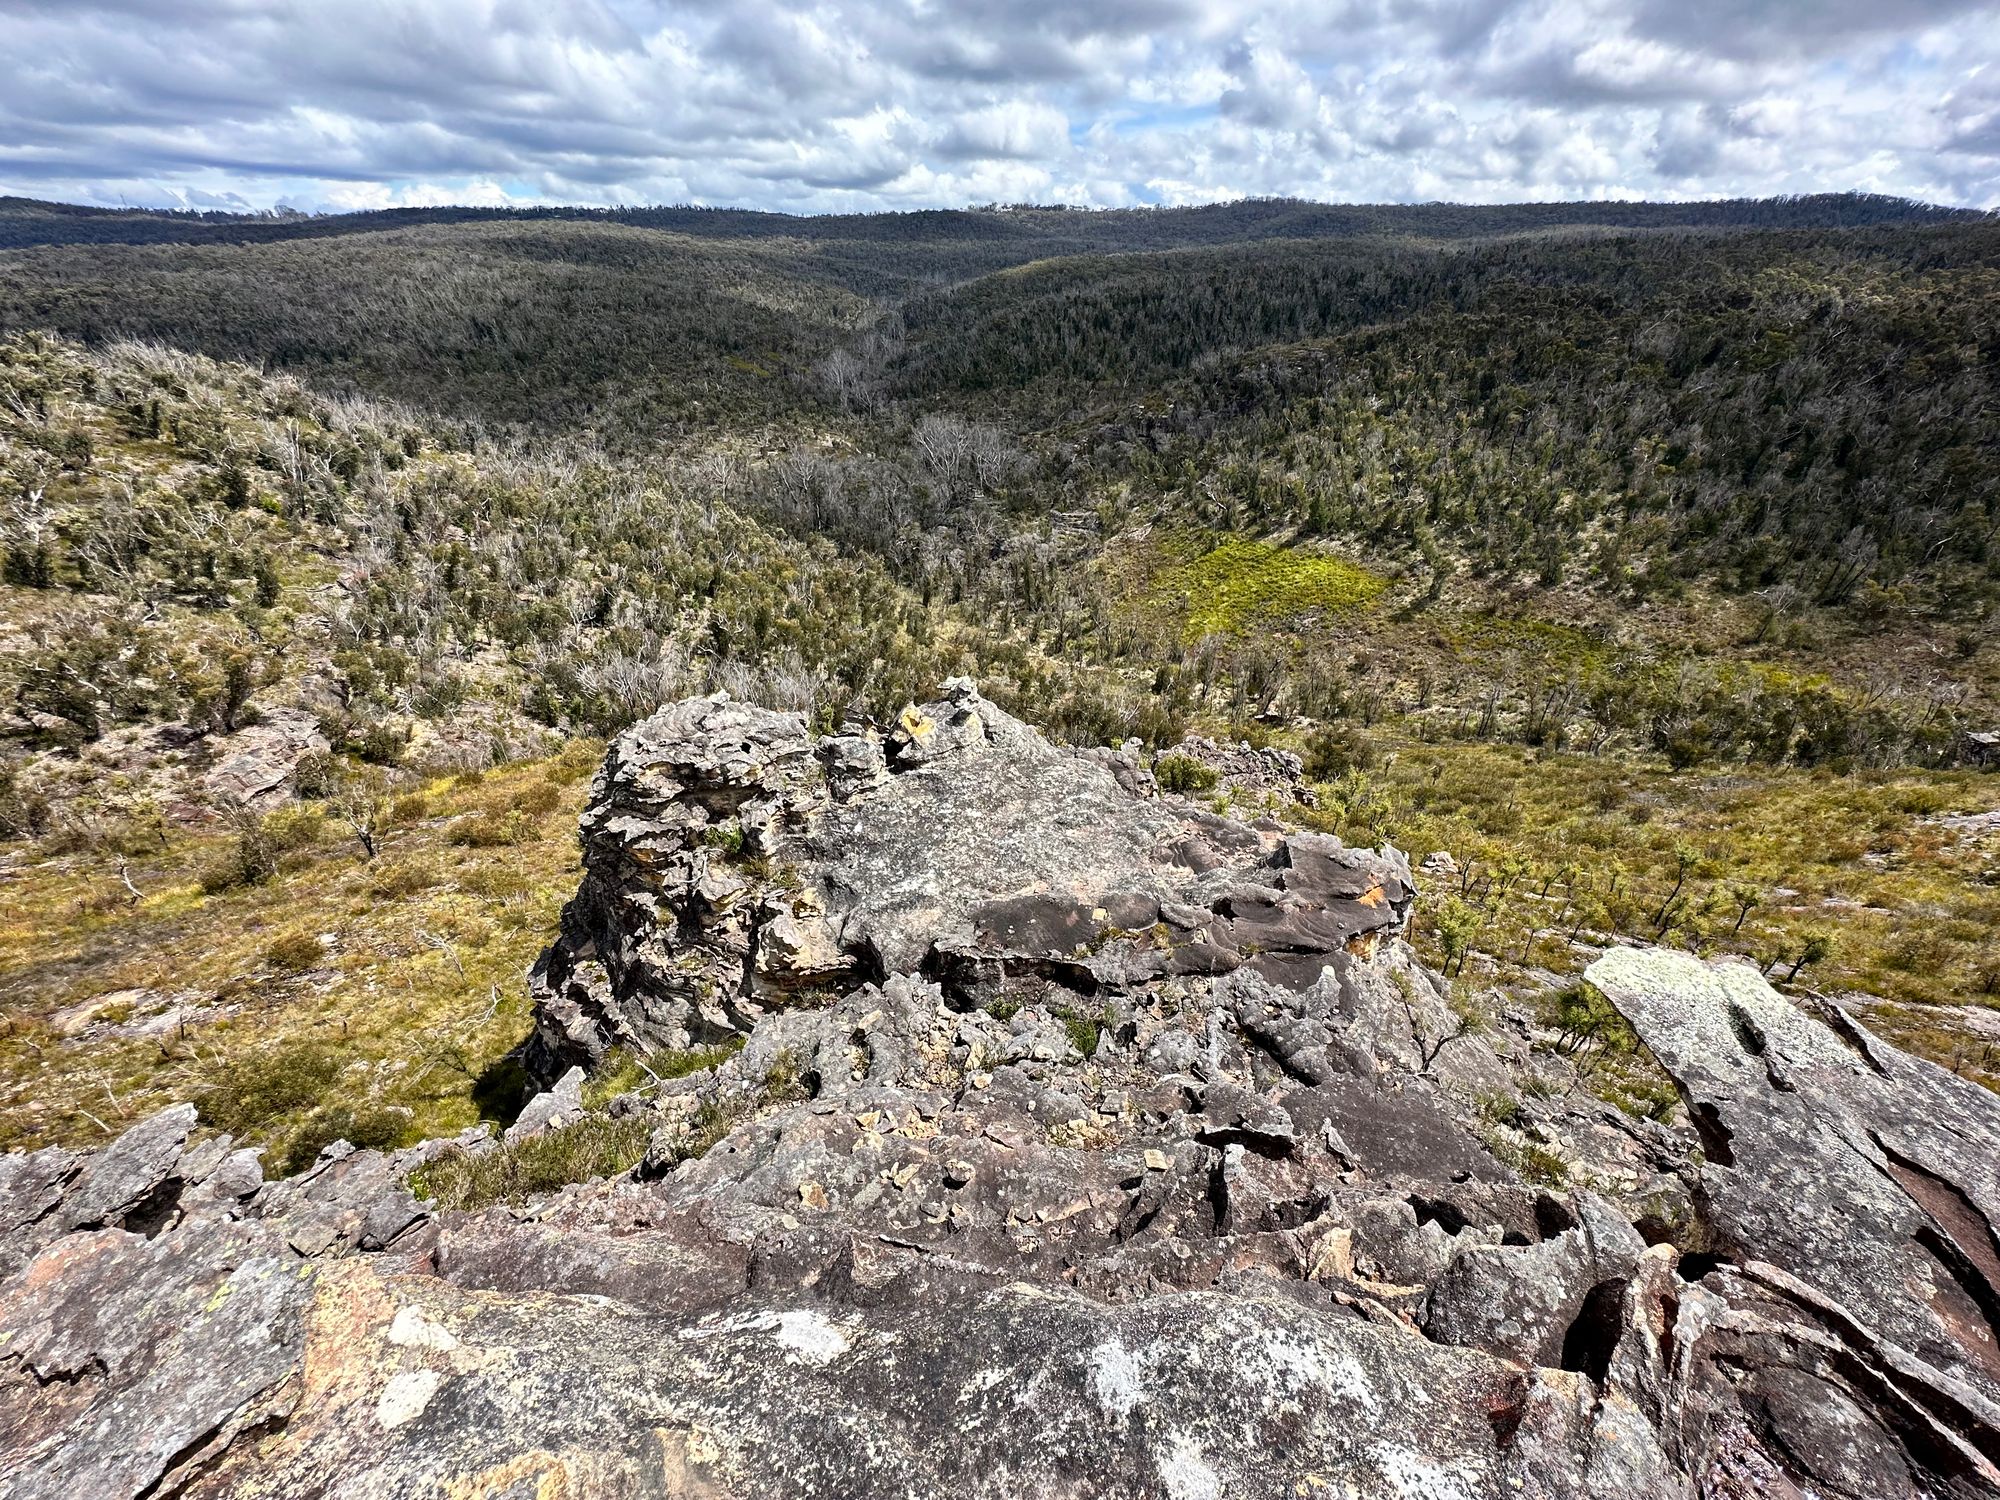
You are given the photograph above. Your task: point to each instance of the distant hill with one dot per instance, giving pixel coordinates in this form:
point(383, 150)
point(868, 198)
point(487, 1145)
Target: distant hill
point(645, 321)
point(1026, 233)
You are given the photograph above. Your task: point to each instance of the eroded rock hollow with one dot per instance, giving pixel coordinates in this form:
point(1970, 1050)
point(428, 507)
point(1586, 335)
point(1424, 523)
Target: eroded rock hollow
point(1054, 1138)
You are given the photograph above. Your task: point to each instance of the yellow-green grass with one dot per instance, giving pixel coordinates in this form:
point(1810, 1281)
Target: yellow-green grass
point(1551, 845)
point(1240, 582)
point(402, 1023)
point(1476, 635)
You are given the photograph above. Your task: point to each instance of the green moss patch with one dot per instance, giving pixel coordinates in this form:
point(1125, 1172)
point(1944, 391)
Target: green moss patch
point(1240, 583)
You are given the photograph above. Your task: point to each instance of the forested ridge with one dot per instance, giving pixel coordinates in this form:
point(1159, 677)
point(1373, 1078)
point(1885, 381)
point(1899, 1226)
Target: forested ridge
point(1054, 230)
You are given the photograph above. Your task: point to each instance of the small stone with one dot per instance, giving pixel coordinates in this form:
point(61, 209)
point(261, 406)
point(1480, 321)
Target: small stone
point(405, 1397)
point(1157, 1161)
point(957, 1172)
point(412, 1329)
point(812, 1195)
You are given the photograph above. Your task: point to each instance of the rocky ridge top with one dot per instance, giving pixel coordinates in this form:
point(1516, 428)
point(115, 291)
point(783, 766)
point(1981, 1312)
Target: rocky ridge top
point(1074, 1141)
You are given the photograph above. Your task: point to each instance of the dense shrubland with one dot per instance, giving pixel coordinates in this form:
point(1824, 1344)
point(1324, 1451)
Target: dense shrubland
point(567, 326)
point(1653, 480)
point(216, 534)
point(1720, 497)
point(1808, 414)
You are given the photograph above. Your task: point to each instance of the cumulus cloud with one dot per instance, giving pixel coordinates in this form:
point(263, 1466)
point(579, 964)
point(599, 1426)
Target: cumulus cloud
point(851, 104)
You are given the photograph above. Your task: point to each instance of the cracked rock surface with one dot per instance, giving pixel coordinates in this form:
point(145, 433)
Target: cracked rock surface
point(1068, 1140)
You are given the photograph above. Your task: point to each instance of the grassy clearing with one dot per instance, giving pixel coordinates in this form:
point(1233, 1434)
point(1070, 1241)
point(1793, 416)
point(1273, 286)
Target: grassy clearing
point(1240, 583)
point(374, 999)
point(1842, 883)
point(1480, 635)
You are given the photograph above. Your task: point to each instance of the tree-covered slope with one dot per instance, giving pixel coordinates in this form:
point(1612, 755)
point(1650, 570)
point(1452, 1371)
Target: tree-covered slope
point(560, 324)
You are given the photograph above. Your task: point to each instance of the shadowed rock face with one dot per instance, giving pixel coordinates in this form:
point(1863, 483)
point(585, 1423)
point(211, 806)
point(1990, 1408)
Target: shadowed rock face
point(1139, 1160)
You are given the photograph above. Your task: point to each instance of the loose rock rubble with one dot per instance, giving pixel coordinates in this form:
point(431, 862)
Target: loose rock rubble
point(1252, 775)
point(1074, 1141)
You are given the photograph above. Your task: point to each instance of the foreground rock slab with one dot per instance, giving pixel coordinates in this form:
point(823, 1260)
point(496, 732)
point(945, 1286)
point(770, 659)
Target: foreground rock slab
point(1051, 1137)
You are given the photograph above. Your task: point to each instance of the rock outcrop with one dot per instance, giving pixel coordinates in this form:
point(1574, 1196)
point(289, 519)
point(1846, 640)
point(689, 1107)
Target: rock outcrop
point(733, 865)
point(1054, 1138)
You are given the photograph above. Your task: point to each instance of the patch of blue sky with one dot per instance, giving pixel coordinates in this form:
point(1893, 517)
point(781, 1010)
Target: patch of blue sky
point(1145, 118)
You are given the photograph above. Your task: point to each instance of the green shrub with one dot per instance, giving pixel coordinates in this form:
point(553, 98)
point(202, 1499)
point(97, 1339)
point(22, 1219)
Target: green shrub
point(693, 1059)
point(1083, 1030)
point(24, 811)
point(290, 829)
point(249, 859)
point(294, 953)
point(369, 1127)
point(1537, 1164)
point(785, 1083)
point(538, 798)
point(316, 775)
point(252, 1092)
point(728, 837)
point(497, 881)
point(382, 744)
point(491, 830)
point(1184, 776)
point(411, 807)
point(1336, 749)
point(403, 878)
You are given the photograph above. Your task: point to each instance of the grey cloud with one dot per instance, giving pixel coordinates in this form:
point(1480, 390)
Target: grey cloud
point(1760, 28)
point(1688, 145)
point(859, 103)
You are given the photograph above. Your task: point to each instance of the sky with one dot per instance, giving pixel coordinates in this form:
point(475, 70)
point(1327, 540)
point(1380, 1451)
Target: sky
point(818, 105)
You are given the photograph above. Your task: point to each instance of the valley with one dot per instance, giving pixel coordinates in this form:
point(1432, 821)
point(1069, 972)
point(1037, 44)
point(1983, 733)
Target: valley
point(1643, 562)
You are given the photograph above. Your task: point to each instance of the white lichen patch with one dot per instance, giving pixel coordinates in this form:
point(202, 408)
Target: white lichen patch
point(1186, 1471)
point(1409, 1475)
point(982, 1381)
point(1298, 1365)
point(412, 1329)
point(809, 1337)
point(406, 1395)
point(1115, 1379)
point(812, 1337)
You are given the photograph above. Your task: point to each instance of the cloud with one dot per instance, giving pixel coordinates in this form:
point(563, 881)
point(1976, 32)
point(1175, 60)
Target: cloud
point(810, 105)
point(1020, 130)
